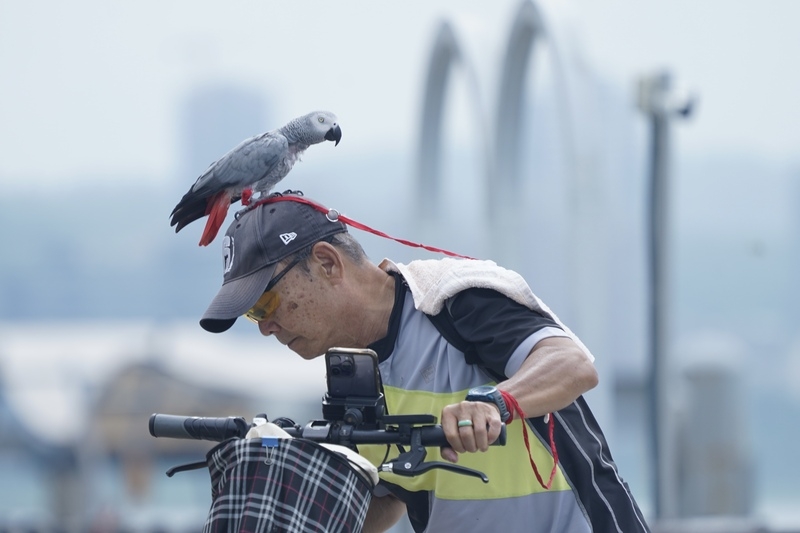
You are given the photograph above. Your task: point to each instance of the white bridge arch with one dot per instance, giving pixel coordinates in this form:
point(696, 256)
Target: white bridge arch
point(502, 137)
point(586, 260)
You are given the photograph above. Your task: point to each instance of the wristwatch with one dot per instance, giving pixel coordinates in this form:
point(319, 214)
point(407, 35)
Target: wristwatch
point(489, 394)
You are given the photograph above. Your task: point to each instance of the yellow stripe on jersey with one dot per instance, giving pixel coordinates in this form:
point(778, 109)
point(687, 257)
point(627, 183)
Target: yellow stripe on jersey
point(508, 467)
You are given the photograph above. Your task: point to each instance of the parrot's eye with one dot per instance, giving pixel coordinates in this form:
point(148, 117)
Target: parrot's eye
point(321, 119)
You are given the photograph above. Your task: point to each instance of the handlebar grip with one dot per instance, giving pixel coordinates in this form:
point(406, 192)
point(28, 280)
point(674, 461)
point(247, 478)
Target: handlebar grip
point(431, 436)
point(193, 427)
point(434, 436)
point(501, 438)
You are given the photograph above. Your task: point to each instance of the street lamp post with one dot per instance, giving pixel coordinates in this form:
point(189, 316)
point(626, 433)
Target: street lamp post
point(660, 105)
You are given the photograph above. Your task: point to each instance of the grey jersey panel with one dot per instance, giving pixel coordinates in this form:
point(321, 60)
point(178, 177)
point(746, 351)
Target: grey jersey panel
point(422, 360)
point(543, 512)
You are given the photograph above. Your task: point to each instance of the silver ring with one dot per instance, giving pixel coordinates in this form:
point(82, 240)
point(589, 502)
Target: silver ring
point(332, 215)
point(465, 423)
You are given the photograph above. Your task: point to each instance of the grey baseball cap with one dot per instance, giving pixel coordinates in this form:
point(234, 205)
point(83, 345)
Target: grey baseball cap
point(256, 241)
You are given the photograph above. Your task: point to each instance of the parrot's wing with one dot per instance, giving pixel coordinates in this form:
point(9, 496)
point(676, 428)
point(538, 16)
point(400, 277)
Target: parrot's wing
point(252, 161)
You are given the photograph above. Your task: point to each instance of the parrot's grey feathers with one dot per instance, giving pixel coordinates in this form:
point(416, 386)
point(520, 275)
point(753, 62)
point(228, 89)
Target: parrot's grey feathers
point(250, 162)
point(256, 164)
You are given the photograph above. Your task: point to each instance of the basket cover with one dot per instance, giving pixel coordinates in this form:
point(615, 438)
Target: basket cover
point(284, 485)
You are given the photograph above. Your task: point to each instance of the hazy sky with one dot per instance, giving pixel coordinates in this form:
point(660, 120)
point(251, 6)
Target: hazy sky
point(90, 87)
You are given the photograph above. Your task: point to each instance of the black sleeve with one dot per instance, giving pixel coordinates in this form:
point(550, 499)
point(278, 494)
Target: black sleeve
point(493, 325)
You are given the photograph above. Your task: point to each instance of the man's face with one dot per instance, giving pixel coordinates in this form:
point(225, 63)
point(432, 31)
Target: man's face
point(305, 318)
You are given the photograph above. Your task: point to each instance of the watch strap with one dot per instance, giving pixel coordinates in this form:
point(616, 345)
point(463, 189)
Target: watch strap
point(491, 396)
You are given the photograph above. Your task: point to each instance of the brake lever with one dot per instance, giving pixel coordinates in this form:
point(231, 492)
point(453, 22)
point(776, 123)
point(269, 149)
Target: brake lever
point(407, 469)
point(412, 462)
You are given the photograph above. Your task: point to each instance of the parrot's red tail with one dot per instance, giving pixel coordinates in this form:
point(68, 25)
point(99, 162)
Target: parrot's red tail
point(216, 209)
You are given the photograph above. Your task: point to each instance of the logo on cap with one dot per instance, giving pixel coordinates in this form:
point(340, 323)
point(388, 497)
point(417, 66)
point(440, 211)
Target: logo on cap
point(227, 253)
point(288, 237)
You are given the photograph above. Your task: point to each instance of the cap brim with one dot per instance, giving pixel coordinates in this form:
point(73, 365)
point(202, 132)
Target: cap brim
point(234, 299)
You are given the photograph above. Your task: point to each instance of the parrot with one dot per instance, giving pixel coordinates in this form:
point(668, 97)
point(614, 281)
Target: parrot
point(257, 164)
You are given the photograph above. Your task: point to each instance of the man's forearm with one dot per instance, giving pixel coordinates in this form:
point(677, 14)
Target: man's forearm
point(555, 373)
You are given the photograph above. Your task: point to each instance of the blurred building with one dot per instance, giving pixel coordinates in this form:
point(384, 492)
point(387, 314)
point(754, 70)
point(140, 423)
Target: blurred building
point(75, 450)
point(214, 117)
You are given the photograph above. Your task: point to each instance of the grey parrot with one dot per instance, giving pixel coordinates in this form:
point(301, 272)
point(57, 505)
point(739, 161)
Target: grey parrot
point(257, 164)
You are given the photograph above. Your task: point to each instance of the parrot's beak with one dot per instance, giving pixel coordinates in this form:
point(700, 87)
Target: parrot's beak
point(334, 134)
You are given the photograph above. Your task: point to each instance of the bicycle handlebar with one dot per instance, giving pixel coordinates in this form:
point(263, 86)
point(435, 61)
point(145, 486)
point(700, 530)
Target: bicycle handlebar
point(416, 431)
point(220, 429)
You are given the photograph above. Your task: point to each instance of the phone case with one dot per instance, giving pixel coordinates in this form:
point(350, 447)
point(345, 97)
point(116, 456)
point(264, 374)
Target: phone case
point(352, 372)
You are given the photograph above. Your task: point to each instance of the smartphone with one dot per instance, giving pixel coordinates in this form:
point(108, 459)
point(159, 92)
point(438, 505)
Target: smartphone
point(352, 372)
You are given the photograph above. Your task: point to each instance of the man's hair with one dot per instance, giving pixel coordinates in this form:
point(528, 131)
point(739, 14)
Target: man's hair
point(344, 242)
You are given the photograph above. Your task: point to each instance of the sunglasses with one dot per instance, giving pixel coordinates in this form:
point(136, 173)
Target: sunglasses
point(269, 301)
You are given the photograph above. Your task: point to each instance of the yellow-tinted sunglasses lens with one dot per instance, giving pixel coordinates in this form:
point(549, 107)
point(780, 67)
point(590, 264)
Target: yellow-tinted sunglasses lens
point(264, 307)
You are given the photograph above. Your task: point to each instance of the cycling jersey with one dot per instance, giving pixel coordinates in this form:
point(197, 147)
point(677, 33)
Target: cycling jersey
point(422, 373)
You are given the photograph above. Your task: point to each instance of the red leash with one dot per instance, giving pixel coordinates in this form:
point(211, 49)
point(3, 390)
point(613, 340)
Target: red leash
point(334, 215)
point(513, 406)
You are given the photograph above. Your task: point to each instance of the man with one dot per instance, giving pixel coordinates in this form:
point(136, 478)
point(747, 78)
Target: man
point(463, 339)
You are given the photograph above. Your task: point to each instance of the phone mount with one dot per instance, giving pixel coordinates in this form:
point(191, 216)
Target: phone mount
point(359, 411)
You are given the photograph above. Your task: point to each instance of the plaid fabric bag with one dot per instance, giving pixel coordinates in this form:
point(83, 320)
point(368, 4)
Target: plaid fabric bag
point(284, 485)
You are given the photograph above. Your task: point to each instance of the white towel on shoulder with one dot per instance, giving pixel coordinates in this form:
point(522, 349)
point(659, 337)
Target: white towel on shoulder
point(433, 281)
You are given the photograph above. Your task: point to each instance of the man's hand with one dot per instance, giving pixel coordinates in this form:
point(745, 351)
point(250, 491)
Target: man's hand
point(469, 427)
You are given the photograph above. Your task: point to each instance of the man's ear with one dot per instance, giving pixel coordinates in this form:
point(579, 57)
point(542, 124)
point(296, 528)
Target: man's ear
point(328, 259)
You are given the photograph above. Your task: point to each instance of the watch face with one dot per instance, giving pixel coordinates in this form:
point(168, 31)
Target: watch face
point(489, 393)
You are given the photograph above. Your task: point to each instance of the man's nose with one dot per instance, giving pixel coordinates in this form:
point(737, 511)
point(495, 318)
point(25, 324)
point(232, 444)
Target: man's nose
point(268, 327)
